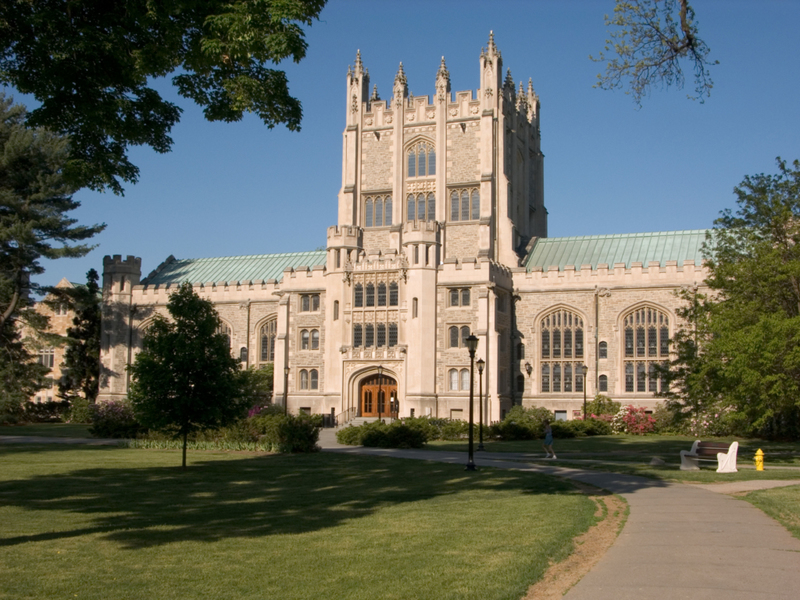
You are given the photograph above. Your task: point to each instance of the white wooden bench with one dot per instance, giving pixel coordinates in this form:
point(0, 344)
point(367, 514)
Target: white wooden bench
point(721, 452)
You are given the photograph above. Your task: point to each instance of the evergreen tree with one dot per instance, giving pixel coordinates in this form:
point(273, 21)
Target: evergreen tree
point(80, 371)
point(185, 378)
point(34, 202)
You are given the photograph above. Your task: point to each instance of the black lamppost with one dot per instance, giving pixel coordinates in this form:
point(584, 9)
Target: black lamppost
point(380, 383)
point(481, 363)
point(472, 345)
point(285, 389)
point(584, 370)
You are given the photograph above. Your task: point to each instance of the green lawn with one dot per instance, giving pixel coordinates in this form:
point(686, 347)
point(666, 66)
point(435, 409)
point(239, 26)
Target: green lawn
point(99, 523)
point(782, 504)
point(70, 430)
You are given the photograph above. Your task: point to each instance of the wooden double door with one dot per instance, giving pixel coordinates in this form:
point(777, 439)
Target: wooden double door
point(379, 394)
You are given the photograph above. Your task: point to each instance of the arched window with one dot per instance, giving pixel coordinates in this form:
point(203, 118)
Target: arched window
point(465, 205)
point(431, 207)
point(369, 335)
point(421, 207)
point(314, 379)
point(464, 336)
point(335, 310)
point(421, 160)
point(453, 378)
point(381, 335)
point(387, 213)
point(465, 297)
point(358, 295)
point(357, 335)
point(393, 294)
point(603, 383)
point(562, 351)
point(454, 204)
point(454, 337)
point(305, 303)
point(411, 208)
point(378, 212)
point(381, 294)
point(315, 339)
point(370, 295)
point(464, 380)
point(304, 339)
point(646, 345)
point(368, 213)
point(476, 205)
point(303, 379)
point(225, 329)
point(392, 334)
point(454, 297)
point(603, 350)
point(268, 334)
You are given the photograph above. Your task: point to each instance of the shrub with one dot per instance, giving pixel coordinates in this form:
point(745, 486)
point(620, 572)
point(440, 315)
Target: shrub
point(633, 421)
point(298, 434)
point(349, 436)
point(401, 435)
point(454, 429)
point(80, 410)
point(522, 424)
point(602, 405)
point(398, 434)
point(113, 419)
point(426, 426)
point(45, 412)
point(565, 429)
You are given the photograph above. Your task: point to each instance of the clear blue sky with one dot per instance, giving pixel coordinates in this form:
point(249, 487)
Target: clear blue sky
point(234, 189)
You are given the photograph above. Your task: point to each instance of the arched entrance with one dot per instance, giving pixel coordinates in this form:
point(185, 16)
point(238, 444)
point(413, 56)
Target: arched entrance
point(378, 389)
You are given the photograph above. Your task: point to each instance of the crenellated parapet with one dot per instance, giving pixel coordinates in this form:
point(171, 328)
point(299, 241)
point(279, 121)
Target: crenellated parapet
point(345, 236)
point(670, 273)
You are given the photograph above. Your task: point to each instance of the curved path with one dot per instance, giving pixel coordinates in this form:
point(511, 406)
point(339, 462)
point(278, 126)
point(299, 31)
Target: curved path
point(680, 541)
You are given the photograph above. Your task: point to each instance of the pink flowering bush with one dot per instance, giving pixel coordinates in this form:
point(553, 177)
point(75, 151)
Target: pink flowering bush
point(113, 419)
point(632, 420)
point(708, 423)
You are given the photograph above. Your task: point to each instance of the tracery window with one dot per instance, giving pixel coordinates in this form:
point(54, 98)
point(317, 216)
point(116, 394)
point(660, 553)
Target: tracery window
point(369, 335)
point(309, 302)
point(393, 293)
point(358, 295)
point(370, 295)
point(646, 331)
point(459, 297)
point(381, 294)
point(465, 205)
point(378, 211)
point(268, 334)
point(421, 160)
point(358, 333)
point(562, 351)
point(421, 207)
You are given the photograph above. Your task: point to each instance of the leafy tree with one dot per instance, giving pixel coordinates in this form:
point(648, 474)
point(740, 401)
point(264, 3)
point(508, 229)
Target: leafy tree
point(648, 42)
point(34, 202)
point(20, 375)
point(81, 367)
point(741, 349)
point(257, 385)
point(89, 64)
point(185, 378)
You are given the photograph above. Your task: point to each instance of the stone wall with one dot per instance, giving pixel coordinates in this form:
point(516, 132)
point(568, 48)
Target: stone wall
point(376, 160)
point(463, 152)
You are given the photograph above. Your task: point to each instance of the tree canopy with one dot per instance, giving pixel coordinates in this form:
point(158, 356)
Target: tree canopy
point(185, 378)
point(91, 65)
point(746, 333)
point(648, 41)
point(34, 202)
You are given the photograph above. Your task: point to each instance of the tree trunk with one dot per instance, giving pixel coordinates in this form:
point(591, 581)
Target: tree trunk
point(185, 436)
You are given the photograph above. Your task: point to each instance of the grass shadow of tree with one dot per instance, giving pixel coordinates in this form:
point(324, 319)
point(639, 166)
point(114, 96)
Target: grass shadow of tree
point(261, 495)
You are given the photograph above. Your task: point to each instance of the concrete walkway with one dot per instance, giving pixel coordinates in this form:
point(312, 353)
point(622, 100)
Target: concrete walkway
point(681, 541)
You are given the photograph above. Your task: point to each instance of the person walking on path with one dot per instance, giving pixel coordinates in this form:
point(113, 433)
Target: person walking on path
point(548, 440)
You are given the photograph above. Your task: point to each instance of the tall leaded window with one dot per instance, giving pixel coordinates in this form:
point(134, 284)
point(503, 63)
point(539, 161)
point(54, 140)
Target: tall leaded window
point(369, 335)
point(603, 383)
point(370, 295)
point(562, 351)
point(393, 294)
point(314, 379)
point(358, 295)
point(304, 339)
point(269, 332)
point(381, 335)
point(392, 334)
point(303, 379)
point(315, 339)
point(358, 333)
point(381, 294)
point(603, 350)
point(465, 205)
point(646, 331)
point(421, 207)
point(378, 211)
point(421, 160)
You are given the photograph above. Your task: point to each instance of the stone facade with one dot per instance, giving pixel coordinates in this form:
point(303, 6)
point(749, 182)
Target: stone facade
point(440, 209)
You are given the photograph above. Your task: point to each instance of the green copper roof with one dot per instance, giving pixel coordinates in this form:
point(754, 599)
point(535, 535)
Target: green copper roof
point(231, 268)
point(627, 248)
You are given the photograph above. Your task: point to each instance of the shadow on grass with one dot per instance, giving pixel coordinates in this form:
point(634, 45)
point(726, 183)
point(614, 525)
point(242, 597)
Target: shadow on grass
point(140, 504)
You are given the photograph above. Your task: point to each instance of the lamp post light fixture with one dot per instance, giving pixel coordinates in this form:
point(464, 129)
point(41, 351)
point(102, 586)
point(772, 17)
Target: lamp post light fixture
point(380, 390)
point(285, 389)
point(481, 364)
point(472, 345)
point(528, 368)
point(584, 370)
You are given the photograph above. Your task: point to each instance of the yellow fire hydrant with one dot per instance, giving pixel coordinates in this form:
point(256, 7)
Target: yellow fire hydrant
point(759, 460)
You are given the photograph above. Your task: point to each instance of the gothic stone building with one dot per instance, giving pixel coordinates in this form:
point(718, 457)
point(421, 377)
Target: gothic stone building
point(441, 232)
